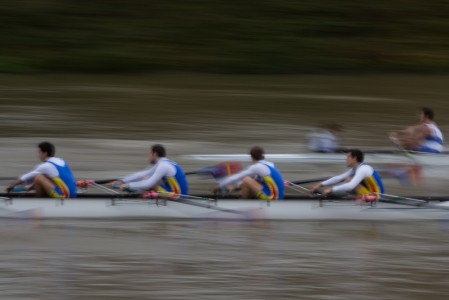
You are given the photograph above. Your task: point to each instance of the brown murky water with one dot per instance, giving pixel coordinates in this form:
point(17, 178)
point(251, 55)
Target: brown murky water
point(104, 126)
point(203, 260)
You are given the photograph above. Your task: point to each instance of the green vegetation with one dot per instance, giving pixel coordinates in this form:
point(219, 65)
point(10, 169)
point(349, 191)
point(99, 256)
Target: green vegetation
point(224, 36)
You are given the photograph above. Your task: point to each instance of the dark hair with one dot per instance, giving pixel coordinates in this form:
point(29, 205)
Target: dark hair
point(48, 148)
point(257, 153)
point(428, 112)
point(357, 154)
point(159, 150)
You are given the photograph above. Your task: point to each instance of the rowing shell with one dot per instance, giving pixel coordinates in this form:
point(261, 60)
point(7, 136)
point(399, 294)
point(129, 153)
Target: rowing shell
point(299, 210)
point(431, 165)
point(425, 159)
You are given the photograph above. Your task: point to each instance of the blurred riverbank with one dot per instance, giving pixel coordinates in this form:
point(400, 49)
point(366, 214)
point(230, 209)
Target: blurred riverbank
point(217, 108)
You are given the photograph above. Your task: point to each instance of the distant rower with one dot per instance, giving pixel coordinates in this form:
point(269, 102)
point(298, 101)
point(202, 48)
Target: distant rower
point(52, 178)
point(165, 177)
point(361, 178)
point(326, 139)
point(424, 137)
point(261, 180)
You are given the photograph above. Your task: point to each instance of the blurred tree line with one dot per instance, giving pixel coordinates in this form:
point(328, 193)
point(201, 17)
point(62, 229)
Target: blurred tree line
point(224, 36)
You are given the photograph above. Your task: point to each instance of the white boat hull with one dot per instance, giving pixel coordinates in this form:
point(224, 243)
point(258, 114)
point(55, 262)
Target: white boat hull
point(425, 159)
point(225, 209)
point(432, 165)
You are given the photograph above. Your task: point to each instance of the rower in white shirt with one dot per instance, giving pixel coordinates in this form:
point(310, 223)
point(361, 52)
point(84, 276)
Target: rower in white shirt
point(164, 176)
point(360, 179)
point(326, 139)
point(261, 180)
point(52, 178)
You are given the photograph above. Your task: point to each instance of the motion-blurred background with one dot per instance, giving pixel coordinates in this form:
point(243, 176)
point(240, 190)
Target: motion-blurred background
point(104, 80)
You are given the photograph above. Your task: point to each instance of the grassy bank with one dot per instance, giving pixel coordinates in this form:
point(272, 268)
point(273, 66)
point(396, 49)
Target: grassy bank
point(222, 36)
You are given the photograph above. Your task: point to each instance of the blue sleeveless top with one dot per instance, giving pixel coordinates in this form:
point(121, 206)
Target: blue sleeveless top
point(273, 184)
point(65, 180)
point(177, 184)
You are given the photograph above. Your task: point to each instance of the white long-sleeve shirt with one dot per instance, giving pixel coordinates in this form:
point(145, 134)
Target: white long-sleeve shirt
point(358, 175)
point(150, 177)
point(323, 141)
point(45, 168)
point(258, 169)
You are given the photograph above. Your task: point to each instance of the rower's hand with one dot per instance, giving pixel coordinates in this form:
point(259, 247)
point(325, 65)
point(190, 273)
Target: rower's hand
point(10, 188)
point(315, 188)
point(125, 187)
point(12, 185)
point(216, 190)
point(115, 183)
point(327, 192)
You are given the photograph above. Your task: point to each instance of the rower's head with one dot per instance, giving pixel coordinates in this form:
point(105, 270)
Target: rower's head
point(426, 113)
point(354, 158)
point(257, 153)
point(46, 150)
point(157, 151)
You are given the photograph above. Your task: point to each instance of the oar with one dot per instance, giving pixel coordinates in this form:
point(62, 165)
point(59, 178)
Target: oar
point(296, 186)
point(181, 198)
point(218, 171)
point(90, 182)
point(300, 188)
point(104, 181)
point(188, 199)
point(417, 202)
point(407, 153)
point(310, 180)
point(7, 178)
point(105, 189)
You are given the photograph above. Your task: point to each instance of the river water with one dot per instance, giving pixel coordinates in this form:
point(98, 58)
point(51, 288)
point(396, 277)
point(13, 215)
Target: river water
point(103, 125)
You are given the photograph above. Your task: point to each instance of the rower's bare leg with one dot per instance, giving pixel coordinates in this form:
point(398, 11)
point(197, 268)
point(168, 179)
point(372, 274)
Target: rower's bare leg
point(250, 188)
point(43, 185)
point(364, 195)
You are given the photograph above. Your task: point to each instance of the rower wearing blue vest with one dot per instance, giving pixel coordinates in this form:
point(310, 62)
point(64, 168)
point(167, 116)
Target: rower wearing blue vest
point(52, 178)
point(361, 179)
point(261, 180)
point(424, 137)
point(165, 176)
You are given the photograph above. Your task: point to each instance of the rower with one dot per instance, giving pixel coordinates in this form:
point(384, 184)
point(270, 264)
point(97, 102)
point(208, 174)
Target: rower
point(52, 178)
point(424, 137)
point(165, 176)
point(326, 139)
point(261, 180)
point(361, 179)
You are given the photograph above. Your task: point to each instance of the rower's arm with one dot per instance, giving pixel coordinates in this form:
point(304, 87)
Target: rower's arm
point(252, 170)
point(161, 170)
point(361, 173)
point(11, 186)
point(139, 175)
point(336, 179)
point(43, 168)
point(422, 131)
